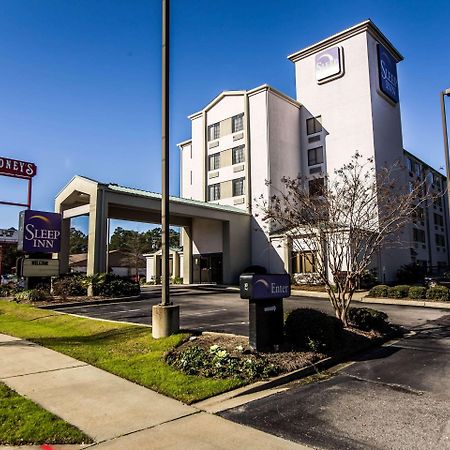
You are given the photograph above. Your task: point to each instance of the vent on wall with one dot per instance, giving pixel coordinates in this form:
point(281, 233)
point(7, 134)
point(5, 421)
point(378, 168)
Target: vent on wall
point(314, 138)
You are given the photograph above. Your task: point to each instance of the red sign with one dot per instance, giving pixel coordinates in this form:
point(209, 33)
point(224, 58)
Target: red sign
point(15, 168)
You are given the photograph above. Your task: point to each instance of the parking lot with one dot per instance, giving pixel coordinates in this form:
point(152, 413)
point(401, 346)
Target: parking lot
point(208, 308)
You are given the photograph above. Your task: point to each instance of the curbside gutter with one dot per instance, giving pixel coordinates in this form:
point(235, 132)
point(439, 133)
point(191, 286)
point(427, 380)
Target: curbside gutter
point(361, 297)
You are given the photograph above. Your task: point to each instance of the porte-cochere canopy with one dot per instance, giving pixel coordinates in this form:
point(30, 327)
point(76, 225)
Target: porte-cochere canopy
point(207, 228)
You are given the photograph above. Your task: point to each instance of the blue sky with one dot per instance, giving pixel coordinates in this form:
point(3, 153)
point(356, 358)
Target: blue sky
point(80, 79)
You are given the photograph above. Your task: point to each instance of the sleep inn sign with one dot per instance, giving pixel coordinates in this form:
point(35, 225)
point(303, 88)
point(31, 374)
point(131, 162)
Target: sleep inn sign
point(39, 232)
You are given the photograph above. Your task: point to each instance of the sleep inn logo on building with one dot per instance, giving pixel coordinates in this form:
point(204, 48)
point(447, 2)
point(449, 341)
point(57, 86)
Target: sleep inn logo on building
point(328, 64)
point(387, 72)
point(39, 232)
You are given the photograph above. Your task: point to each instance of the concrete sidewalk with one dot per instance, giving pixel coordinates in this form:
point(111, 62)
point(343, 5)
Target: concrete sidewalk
point(115, 412)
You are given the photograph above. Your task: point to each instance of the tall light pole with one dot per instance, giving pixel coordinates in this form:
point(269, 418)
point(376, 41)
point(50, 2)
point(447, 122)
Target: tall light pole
point(165, 316)
point(165, 299)
point(442, 95)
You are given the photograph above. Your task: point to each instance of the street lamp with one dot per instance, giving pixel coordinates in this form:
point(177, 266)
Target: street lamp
point(444, 94)
point(165, 316)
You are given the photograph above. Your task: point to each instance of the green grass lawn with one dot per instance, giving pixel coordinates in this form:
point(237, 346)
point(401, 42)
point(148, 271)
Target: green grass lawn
point(123, 349)
point(23, 422)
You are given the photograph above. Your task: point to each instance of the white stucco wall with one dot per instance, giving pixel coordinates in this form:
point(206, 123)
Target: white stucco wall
point(206, 236)
point(343, 103)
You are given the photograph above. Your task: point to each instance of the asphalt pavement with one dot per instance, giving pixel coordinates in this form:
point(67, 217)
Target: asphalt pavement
point(394, 397)
point(222, 310)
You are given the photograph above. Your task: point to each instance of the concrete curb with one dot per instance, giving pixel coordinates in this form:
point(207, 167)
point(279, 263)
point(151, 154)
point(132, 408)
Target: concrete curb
point(92, 302)
point(377, 300)
point(304, 372)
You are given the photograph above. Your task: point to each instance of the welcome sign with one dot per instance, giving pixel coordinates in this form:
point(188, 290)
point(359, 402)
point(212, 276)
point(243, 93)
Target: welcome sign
point(39, 232)
point(387, 73)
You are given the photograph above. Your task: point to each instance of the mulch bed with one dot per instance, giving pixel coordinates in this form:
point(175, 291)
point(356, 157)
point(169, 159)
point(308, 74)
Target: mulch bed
point(286, 359)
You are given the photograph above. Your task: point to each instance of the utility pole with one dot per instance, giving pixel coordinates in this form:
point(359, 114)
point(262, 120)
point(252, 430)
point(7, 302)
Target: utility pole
point(165, 316)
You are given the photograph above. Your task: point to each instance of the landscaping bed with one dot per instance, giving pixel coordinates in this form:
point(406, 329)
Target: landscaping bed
point(218, 355)
point(24, 422)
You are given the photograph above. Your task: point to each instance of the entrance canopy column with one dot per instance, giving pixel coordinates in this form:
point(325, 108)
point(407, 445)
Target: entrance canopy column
point(98, 230)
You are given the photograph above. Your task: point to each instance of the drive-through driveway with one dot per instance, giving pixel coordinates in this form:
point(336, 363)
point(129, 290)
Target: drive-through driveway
point(208, 308)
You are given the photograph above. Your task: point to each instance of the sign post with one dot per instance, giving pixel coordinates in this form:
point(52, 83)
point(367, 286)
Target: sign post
point(265, 294)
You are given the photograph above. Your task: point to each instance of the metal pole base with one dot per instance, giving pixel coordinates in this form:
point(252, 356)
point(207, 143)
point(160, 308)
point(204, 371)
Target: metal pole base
point(165, 320)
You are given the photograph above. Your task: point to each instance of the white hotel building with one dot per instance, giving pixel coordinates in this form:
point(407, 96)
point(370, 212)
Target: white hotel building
point(346, 100)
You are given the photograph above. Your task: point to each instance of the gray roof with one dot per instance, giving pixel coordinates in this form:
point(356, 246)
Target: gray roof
point(157, 196)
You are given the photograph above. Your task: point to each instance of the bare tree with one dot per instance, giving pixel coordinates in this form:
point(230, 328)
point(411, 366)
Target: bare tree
point(342, 220)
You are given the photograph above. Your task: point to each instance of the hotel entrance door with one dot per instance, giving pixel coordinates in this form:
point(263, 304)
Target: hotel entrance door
point(208, 268)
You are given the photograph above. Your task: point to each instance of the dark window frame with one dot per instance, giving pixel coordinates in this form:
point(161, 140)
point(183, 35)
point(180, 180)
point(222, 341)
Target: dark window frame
point(314, 125)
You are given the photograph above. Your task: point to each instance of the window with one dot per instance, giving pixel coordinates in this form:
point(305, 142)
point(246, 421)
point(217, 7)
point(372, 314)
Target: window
point(238, 187)
point(409, 165)
point(191, 177)
point(315, 156)
point(214, 161)
point(437, 201)
point(214, 131)
point(316, 187)
point(238, 154)
point(438, 220)
point(440, 240)
point(303, 262)
point(418, 235)
point(314, 125)
point(214, 192)
point(418, 169)
point(418, 214)
point(237, 123)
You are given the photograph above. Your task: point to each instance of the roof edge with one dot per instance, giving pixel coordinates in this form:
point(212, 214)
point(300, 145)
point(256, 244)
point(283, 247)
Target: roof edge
point(366, 25)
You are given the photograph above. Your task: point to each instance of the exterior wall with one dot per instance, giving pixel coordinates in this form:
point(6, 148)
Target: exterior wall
point(344, 105)
point(206, 236)
point(223, 111)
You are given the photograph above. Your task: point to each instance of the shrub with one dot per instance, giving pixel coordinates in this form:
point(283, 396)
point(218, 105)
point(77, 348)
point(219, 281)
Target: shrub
point(177, 280)
point(313, 330)
point(108, 285)
point(379, 291)
point(411, 273)
point(368, 279)
point(417, 292)
point(32, 295)
point(400, 291)
point(438, 293)
point(218, 363)
point(368, 319)
point(70, 285)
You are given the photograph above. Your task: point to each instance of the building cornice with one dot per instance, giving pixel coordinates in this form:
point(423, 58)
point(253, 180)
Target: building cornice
point(184, 143)
point(214, 102)
point(263, 87)
point(421, 161)
point(366, 26)
point(266, 87)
